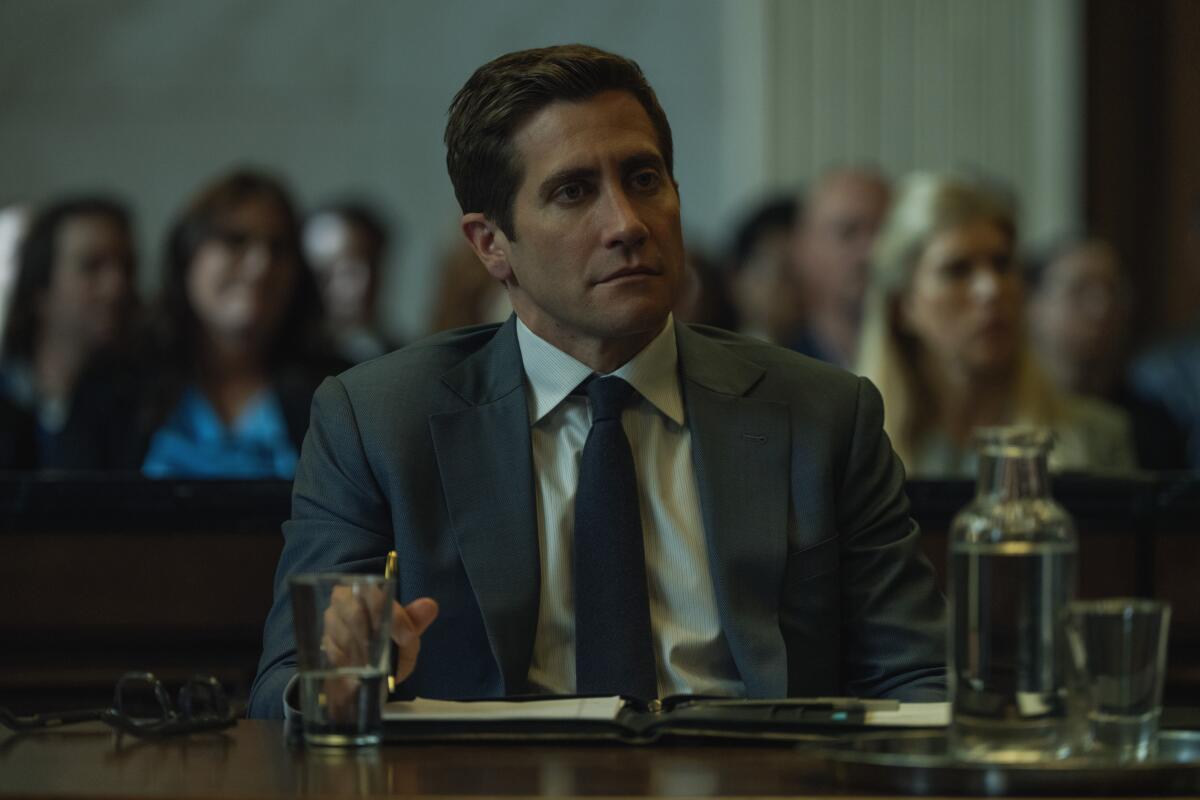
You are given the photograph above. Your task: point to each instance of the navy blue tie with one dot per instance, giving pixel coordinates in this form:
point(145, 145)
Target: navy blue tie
point(614, 648)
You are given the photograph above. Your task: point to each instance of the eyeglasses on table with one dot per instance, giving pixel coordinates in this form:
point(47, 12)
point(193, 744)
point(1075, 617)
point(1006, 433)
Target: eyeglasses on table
point(143, 707)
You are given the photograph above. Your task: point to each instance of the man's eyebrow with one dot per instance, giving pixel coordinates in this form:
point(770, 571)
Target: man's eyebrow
point(568, 175)
point(648, 158)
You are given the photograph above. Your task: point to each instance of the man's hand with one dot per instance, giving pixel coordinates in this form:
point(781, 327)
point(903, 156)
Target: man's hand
point(352, 623)
point(408, 623)
point(352, 620)
point(351, 626)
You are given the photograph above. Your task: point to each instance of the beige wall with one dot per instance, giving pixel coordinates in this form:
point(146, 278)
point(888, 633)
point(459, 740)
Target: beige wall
point(906, 84)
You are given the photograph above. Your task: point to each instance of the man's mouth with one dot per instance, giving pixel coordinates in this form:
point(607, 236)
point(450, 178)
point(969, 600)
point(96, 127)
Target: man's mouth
point(628, 272)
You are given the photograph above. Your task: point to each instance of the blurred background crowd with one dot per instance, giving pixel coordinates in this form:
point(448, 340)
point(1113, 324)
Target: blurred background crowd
point(178, 324)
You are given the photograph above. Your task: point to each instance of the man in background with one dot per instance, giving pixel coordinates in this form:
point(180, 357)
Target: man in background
point(842, 214)
point(761, 283)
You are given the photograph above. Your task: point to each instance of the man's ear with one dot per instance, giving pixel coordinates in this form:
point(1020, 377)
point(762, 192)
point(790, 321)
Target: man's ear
point(490, 244)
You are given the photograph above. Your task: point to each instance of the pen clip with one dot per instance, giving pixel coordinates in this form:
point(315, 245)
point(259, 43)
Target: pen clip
point(389, 571)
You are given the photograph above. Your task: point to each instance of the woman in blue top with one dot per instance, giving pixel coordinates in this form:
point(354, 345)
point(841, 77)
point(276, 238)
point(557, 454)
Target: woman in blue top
point(239, 318)
point(234, 353)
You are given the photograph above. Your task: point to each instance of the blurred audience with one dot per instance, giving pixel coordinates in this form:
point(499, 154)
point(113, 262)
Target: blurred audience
point(73, 296)
point(234, 353)
point(761, 283)
point(831, 251)
point(1079, 314)
point(1169, 375)
point(14, 220)
point(944, 337)
point(18, 437)
point(345, 245)
point(256, 308)
point(704, 299)
point(466, 294)
point(1079, 305)
point(18, 427)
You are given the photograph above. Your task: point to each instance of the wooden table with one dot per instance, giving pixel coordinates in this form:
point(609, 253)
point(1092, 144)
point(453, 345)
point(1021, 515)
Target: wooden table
point(253, 760)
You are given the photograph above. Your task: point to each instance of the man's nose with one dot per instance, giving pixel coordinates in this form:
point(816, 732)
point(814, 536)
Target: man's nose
point(623, 226)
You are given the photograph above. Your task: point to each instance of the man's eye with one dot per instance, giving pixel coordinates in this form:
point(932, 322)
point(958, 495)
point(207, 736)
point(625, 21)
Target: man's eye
point(570, 192)
point(647, 179)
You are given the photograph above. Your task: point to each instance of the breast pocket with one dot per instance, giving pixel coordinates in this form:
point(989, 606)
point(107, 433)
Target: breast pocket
point(810, 611)
point(820, 559)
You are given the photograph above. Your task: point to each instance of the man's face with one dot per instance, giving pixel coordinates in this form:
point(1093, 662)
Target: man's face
point(764, 288)
point(597, 257)
point(833, 249)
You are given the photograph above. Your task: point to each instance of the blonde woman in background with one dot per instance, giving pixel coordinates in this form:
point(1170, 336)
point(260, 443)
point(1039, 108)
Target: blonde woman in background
point(944, 337)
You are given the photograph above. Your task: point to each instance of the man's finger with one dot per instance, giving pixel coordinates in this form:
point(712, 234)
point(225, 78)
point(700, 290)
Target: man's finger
point(349, 632)
point(373, 599)
point(408, 623)
point(422, 611)
point(412, 619)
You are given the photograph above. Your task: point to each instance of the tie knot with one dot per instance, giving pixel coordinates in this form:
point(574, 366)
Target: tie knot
point(608, 397)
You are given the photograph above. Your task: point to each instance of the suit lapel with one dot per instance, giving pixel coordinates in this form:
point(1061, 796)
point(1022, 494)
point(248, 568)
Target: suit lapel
point(486, 466)
point(741, 449)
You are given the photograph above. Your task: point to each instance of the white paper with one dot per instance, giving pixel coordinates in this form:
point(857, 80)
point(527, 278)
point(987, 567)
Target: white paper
point(605, 709)
point(912, 715)
point(571, 708)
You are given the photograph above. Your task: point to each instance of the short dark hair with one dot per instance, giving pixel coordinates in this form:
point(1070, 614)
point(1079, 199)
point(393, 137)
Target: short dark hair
point(773, 214)
point(505, 92)
point(35, 264)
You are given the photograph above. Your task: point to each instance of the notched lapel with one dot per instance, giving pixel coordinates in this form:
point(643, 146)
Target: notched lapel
point(486, 468)
point(741, 449)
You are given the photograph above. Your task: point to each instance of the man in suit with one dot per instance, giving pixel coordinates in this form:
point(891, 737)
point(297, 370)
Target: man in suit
point(770, 550)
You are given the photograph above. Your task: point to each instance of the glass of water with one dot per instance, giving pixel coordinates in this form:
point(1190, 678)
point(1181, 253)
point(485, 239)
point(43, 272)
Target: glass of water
point(1118, 648)
point(343, 636)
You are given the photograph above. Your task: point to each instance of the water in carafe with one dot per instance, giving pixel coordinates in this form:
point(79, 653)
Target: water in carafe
point(1013, 555)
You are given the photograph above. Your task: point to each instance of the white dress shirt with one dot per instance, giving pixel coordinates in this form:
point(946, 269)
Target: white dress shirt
point(692, 655)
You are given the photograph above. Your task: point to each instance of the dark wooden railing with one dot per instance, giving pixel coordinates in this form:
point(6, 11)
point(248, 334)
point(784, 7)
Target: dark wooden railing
point(100, 574)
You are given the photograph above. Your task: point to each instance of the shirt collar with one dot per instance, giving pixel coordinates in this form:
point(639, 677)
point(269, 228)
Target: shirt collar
point(552, 374)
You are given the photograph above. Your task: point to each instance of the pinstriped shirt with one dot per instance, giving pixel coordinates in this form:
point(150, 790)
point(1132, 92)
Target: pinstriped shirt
point(691, 652)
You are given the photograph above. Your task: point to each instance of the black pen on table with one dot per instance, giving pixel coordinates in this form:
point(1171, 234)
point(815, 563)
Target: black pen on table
point(389, 571)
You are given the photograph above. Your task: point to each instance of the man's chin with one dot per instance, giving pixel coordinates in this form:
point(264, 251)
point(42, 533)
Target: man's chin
point(635, 321)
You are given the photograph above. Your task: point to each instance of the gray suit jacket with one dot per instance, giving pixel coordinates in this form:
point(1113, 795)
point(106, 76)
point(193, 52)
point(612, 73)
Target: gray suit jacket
point(820, 586)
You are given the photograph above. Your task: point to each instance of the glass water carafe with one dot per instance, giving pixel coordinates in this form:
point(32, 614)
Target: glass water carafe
point(1013, 555)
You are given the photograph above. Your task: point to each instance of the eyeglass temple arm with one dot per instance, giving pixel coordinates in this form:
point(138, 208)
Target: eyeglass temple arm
point(39, 721)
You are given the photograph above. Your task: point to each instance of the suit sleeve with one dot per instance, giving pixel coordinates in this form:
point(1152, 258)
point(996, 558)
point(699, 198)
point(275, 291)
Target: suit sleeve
point(894, 617)
point(340, 523)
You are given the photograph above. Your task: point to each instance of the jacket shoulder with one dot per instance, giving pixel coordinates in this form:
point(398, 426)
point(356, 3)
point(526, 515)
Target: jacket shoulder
point(423, 360)
point(783, 368)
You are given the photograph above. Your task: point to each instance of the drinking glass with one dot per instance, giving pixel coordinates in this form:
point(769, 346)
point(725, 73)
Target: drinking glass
point(1118, 648)
point(343, 632)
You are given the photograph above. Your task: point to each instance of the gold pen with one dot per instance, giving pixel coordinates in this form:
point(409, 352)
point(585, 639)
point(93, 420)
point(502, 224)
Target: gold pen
point(389, 571)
